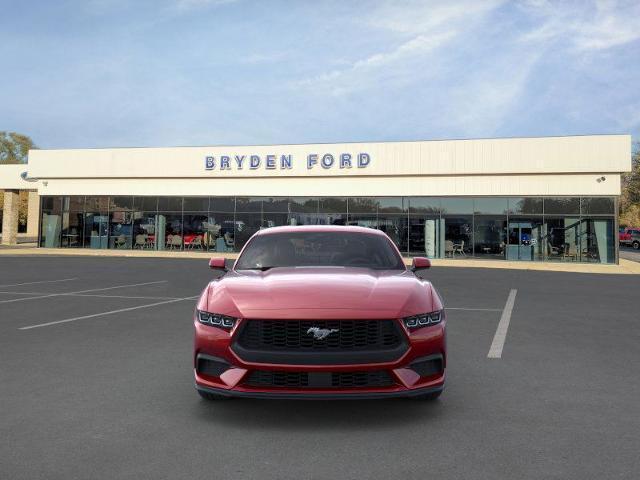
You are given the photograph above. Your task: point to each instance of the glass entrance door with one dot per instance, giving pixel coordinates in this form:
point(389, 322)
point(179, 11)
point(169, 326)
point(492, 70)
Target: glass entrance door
point(524, 239)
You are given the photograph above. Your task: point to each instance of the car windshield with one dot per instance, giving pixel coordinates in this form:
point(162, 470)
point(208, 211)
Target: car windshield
point(319, 249)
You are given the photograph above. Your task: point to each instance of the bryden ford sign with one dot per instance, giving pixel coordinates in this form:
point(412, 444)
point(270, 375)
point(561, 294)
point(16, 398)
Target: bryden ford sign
point(285, 162)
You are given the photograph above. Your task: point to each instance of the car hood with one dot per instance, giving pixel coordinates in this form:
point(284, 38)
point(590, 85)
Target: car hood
point(328, 292)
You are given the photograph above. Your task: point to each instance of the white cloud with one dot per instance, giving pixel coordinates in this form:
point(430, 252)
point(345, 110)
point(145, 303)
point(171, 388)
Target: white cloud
point(423, 29)
point(603, 25)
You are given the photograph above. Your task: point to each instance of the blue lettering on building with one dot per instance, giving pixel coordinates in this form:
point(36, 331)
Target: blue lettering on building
point(270, 162)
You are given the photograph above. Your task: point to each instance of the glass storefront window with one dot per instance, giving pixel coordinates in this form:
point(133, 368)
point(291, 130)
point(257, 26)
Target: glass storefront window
point(168, 231)
point(222, 204)
point(562, 238)
point(597, 206)
point(562, 206)
point(120, 203)
point(120, 230)
point(72, 222)
point(51, 222)
point(457, 206)
point(543, 228)
point(144, 230)
point(332, 205)
point(525, 206)
point(362, 205)
point(490, 206)
point(363, 220)
point(249, 204)
point(597, 240)
point(419, 205)
point(220, 232)
point(196, 204)
point(426, 236)
point(170, 204)
point(246, 224)
point(145, 204)
point(303, 205)
point(490, 237)
point(458, 236)
point(194, 229)
point(392, 205)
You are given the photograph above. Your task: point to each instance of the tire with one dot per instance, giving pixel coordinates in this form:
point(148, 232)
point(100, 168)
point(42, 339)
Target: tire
point(636, 245)
point(428, 397)
point(212, 397)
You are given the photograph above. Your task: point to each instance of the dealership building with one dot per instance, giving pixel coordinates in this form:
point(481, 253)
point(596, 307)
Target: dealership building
point(531, 199)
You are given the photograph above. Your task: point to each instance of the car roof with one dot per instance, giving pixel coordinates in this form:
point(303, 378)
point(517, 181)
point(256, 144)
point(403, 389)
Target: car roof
point(319, 228)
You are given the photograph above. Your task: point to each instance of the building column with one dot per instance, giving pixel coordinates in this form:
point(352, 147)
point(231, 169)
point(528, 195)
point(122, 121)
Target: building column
point(10, 217)
point(33, 213)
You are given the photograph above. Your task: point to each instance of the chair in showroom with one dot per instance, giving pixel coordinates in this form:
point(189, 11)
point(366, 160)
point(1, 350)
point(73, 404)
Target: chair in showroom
point(448, 248)
point(458, 248)
point(141, 241)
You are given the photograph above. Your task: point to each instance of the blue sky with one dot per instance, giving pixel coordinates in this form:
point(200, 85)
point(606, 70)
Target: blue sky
point(102, 73)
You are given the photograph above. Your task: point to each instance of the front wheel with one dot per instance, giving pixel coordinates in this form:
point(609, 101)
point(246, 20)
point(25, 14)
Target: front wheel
point(636, 245)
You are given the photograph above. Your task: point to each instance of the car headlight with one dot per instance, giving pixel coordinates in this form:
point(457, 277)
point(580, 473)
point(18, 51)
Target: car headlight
point(423, 319)
point(216, 320)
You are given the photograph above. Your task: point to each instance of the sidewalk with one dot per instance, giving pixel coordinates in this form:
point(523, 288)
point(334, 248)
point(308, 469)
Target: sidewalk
point(626, 267)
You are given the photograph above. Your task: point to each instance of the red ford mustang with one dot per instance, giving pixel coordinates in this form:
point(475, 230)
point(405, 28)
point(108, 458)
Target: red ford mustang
point(319, 312)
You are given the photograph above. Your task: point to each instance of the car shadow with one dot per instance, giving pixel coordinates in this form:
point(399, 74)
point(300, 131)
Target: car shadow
point(319, 415)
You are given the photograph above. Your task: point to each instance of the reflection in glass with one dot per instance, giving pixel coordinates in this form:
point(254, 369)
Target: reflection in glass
point(562, 205)
point(490, 237)
point(168, 231)
point(51, 222)
point(120, 229)
point(525, 206)
point(72, 222)
point(362, 205)
point(392, 204)
point(597, 206)
point(457, 206)
point(195, 232)
point(425, 205)
point(246, 224)
point(220, 231)
point(332, 205)
point(597, 242)
point(458, 235)
point(490, 206)
point(363, 220)
point(196, 204)
point(395, 226)
point(562, 238)
point(144, 230)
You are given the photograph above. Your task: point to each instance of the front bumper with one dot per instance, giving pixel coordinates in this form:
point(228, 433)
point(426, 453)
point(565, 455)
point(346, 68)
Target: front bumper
point(341, 395)
point(231, 375)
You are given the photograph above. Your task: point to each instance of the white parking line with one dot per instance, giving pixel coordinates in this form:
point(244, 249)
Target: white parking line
point(41, 281)
point(84, 317)
point(80, 291)
point(503, 326)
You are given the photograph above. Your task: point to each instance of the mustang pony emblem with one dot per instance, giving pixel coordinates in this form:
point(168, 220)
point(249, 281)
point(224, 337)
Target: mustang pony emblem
point(321, 333)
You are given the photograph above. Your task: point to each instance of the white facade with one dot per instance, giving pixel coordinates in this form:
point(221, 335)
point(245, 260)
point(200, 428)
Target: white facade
point(488, 167)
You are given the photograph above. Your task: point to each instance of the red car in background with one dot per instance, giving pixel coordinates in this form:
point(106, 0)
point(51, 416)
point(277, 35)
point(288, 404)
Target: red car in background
point(629, 237)
point(319, 312)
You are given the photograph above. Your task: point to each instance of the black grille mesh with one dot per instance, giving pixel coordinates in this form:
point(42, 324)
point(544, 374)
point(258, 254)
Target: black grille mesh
point(268, 378)
point(294, 335)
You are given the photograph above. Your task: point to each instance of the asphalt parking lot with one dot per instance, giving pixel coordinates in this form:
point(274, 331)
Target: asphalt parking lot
point(100, 384)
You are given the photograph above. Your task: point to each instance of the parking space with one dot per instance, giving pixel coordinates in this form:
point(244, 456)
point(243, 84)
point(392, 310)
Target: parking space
point(103, 387)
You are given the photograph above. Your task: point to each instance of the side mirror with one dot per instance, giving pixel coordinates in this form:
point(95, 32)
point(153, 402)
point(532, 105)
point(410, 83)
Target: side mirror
point(420, 263)
point(217, 263)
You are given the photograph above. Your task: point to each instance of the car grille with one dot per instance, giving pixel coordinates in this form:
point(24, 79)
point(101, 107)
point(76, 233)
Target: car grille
point(292, 334)
point(268, 378)
point(290, 342)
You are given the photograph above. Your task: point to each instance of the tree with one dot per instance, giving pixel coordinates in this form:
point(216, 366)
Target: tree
point(14, 147)
point(630, 198)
